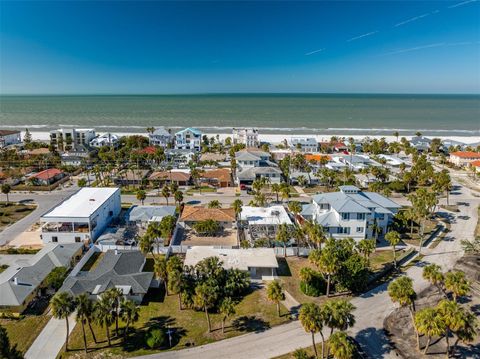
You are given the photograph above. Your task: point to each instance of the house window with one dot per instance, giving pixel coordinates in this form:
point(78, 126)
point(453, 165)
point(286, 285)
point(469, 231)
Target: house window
point(77, 239)
point(360, 216)
point(381, 216)
point(359, 229)
point(344, 230)
point(345, 216)
point(54, 239)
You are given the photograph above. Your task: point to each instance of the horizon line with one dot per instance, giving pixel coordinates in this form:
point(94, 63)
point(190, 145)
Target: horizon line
point(245, 93)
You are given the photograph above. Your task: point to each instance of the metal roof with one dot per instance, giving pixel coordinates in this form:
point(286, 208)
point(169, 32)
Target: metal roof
point(147, 213)
point(82, 203)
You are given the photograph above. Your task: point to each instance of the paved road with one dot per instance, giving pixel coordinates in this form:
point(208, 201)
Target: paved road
point(372, 307)
point(44, 201)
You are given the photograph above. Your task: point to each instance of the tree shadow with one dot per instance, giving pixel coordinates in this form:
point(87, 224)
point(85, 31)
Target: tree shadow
point(283, 268)
point(374, 342)
point(250, 324)
point(154, 295)
point(136, 338)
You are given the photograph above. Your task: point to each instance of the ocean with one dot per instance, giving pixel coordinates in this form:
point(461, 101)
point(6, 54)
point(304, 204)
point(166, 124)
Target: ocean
point(433, 115)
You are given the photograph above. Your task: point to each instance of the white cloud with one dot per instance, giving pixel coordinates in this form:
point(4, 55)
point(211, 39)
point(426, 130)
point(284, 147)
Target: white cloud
point(462, 3)
point(313, 52)
point(361, 36)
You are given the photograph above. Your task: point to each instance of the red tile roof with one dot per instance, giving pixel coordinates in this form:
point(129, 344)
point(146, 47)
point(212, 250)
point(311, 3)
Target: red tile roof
point(475, 163)
point(174, 176)
point(8, 132)
point(196, 214)
point(47, 174)
point(221, 174)
point(150, 150)
point(466, 154)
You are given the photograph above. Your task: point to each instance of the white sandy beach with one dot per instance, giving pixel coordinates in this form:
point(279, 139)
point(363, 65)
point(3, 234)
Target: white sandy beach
point(277, 138)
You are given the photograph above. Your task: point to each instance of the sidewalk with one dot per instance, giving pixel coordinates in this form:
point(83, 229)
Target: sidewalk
point(50, 340)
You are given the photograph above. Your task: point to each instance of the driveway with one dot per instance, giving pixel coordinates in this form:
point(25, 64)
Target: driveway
point(44, 201)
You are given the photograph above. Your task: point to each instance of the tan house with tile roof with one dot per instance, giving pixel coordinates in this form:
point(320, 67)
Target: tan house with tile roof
point(221, 177)
point(178, 177)
point(193, 214)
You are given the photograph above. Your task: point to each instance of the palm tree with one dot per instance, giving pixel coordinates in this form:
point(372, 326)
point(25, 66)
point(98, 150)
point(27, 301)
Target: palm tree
point(166, 193)
point(401, 291)
point(178, 196)
point(429, 323)
point(214, 204)
point(145, 243)
point(63, 304)
point(456, 283)
point(338, 314)
point(312, 321)
point(275, 188)
point(115, 295)
point(454, 317)
point(104, 314)
point(396, 134)
point(328, 265)
point(340, 346)
point(141, 195)
point(468, 332)
point(283, 237)
point(295, 207)
point(237, 207)
point(129, 313)
point(84, 313)
point(275, 293)
point(433, 274)
point(205, 298)
point(393, 237)
point(285, 191)
point(227, 309)
point(366, 247)
point(160, 270)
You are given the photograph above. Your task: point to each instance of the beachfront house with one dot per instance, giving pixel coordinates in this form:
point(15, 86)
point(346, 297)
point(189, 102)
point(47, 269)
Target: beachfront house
point(65, 139)
point(9, 137)
point(304, 144)
point(463, 158)
point(23, 281)
point(420, 143)
point(351, 212)
point(160, 137)
point(189, 139)
point(105, 140)
point(246, 136)
point(116, 269)
point(82, 217)
point(358, 162)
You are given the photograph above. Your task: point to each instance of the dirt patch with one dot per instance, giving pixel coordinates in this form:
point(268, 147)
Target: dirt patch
point(228, 237)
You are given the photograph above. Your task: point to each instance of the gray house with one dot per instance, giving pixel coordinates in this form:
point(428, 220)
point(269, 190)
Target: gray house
point(117, 269)
point(23, 281)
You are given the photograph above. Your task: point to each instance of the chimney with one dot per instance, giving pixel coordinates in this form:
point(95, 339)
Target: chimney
point(15, 280)
point(116, 251)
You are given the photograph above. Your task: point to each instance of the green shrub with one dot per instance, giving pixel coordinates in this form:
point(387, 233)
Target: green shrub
point(155, 338)
point(315, 287)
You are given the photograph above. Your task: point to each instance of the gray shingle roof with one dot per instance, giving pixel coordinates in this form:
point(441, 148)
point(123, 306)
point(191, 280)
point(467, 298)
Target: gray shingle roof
point(360, 202)
point(147, 213)
point(123, 269)
point(251, 173)
point(30, 274)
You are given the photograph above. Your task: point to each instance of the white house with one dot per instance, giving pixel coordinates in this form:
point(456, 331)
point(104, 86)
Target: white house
point(463, 158)
point(188, 139)
point(351, 212)
point(107, 139)
point(263, 222)
point(261, 263)
point(9, 137)
point(160, 137)
point(82, 217)
point(253, 164)
point(304, 144)
point(246, 136)
point(65, 139)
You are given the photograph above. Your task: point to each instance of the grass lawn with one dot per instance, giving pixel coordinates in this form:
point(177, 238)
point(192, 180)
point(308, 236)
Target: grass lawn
point(289, 275)
point(23, 332)
point(318, 189)
point(380, 259)
point(93, 261)
point(201, 190)
point(13, 212)
point(430, 227)
point(254, 314)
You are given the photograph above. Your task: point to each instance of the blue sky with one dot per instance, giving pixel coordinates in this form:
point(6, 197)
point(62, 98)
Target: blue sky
point(67, 47)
